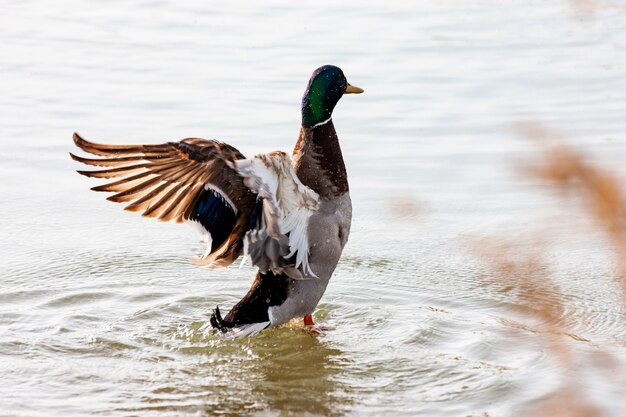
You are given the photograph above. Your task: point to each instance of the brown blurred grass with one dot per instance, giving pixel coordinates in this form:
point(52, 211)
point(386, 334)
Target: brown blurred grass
point(406, 207)
point(570, 174)
point(585, 7)
point(522, 267)
point(525, 271)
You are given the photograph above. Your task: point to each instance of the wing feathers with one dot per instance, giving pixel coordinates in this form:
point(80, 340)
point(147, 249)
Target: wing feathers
point(159, 208)
point(288, 205)
point(106, 162)
point(165, 181)
point(136, 191)
point(177, 211)
point(122, 184)
point(144, 202)
point(211, 183)
point(112, 150)
point(115, 172)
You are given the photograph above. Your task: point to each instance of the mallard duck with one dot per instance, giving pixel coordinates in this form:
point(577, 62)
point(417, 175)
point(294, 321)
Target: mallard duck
point(290, 216)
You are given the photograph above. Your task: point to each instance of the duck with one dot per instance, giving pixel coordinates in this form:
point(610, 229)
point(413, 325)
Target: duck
point(288, 215)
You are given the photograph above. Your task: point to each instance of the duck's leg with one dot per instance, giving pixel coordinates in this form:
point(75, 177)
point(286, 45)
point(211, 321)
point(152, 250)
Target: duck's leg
point(311, 326)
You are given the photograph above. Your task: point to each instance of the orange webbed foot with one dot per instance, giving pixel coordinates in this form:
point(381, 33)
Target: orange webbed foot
point(311, 326)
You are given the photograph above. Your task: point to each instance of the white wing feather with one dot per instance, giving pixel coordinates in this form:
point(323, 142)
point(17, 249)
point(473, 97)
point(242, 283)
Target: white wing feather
point(288, 203)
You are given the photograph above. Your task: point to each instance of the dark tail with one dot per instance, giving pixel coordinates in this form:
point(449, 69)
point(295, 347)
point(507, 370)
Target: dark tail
point(217, 322)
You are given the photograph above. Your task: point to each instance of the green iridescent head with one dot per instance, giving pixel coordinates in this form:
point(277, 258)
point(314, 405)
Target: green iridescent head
point(326, 86)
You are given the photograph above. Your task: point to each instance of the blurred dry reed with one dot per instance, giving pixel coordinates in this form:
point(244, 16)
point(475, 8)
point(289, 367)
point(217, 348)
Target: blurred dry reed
point(571, 175)
point(584, 6)
point(406, 207)
point(524, 269)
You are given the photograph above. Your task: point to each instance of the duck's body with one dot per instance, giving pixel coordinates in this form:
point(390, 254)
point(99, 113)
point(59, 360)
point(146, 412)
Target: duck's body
point(290, 216)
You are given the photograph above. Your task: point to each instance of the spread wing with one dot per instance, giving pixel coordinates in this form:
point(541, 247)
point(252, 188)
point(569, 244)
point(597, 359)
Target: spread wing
point(188, 181)
point(280, 242)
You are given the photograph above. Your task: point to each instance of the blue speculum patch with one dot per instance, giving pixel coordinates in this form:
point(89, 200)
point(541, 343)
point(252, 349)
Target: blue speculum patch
point(215, 215)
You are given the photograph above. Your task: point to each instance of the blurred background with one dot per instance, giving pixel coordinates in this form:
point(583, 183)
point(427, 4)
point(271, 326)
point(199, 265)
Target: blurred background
point(476, 281)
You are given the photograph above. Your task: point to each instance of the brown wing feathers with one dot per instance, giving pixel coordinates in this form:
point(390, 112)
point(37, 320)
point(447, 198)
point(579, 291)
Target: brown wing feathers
point(164, 181)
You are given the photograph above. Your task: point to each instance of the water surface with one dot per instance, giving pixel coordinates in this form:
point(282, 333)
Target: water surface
point(100, 310)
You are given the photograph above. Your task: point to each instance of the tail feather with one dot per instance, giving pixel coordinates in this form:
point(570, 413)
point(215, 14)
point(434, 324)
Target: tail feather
point(232, 332)
point(217, 322)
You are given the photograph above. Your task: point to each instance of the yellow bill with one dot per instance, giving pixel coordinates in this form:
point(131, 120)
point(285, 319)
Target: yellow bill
point(352, 89)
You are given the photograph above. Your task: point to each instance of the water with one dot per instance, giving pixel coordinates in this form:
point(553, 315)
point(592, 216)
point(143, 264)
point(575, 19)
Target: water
point(100, 311)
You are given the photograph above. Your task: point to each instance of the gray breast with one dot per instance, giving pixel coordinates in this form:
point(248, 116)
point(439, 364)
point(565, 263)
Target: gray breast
point(328, 231)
